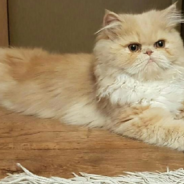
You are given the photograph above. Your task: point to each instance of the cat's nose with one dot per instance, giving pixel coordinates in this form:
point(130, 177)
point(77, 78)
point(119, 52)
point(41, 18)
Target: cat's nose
point(149, 52)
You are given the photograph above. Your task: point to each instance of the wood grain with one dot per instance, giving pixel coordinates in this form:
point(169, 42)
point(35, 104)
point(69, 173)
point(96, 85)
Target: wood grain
point(50, 148)
point(3, 24)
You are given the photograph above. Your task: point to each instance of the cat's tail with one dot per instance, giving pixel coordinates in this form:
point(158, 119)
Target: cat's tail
point(152, 125)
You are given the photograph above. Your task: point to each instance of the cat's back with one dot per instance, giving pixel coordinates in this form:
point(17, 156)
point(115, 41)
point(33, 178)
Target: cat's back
point(34, 81)
point(25, 63)
point(36, 70)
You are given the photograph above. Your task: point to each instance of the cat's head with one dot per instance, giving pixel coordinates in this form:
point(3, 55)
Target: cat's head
point(142, 45)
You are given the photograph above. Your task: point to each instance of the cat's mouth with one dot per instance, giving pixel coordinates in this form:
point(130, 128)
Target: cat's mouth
point(149, 67)
point(151, 61)
point(153, 66)
point(156, 64)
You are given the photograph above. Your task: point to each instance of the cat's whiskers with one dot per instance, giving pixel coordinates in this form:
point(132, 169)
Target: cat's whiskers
point(140, 65)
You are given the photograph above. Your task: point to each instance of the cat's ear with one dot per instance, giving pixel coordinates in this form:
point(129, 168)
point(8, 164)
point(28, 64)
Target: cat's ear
point(172, 16)
point(111, 21)
point(110, 18)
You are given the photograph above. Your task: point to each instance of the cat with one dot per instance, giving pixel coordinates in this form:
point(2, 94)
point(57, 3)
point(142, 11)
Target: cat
point(132, 84)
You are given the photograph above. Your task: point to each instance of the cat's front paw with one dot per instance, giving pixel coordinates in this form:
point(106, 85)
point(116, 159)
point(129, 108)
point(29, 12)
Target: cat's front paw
point(179, 115)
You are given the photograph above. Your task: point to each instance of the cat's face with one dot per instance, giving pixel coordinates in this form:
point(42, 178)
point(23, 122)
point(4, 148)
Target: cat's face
point(144, 45)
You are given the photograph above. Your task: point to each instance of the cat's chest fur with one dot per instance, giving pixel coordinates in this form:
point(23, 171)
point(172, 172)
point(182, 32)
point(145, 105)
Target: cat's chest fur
point(165, 94)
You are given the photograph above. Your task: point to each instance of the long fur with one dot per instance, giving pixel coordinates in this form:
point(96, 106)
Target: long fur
point(130, 93)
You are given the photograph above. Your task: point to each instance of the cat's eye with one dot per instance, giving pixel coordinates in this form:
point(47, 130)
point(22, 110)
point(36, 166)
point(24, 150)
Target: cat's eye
point(160, 44)
point(134, 47)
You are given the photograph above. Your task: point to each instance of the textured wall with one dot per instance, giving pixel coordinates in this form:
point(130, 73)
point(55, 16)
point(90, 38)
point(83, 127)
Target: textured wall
point(65, 25)
point(3, 24)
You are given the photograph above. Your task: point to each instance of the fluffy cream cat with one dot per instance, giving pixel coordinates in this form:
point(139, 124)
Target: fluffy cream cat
point(133, 84)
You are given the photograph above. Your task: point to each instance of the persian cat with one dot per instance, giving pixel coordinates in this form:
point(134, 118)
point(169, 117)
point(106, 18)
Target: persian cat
point(132, 84)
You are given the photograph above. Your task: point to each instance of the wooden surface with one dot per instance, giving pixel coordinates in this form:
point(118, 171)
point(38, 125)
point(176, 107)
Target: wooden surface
point(49, 148)
point(3, 24)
